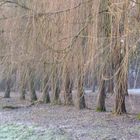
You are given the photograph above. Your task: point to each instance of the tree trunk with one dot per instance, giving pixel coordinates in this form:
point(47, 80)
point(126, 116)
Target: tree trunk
point(55, 87)
point(80, 90)
point(101, 97)
point(104, 36)
point(22, 86)
point(8, 88)
point(22, 92)
point(33, 96)
point(55, 92)
point(110, 86)
point(120, 96)
point(121, 66)
point(80, 96)
point(46, 89)
point(126, 85)
point(67, 90)
point(120, 103)
point(94, 84)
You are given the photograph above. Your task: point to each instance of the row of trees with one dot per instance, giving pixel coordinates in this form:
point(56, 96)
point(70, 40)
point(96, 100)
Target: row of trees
point(64, 46)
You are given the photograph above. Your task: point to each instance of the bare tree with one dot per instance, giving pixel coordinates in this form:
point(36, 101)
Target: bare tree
point(104, 32)
point(7, 88)
point(46, 90)
point(67, 87)
point(121, 60)
point(31, 84)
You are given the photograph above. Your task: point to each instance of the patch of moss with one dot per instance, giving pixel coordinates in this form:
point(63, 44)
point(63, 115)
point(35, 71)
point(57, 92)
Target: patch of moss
point(138, 116)
point(100, 110)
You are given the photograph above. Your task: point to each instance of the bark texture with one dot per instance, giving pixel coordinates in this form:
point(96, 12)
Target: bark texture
point(33, 96)
point(67, 89)
point(46, 89)
point(121, 61)
point(7, 88)
point(55, 88)
point(80, 89)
